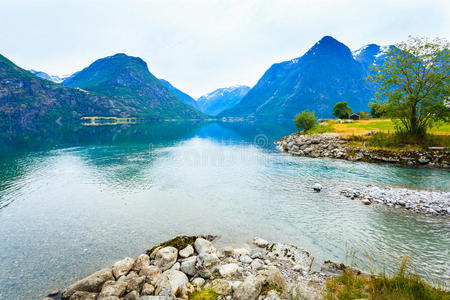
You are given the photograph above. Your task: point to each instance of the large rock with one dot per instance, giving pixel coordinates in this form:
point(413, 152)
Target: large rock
point(220, 286)
point(203, 246)
point(147, 289)
point(134, 282)
point(228, 269)
point(122, 267)
point(83, 296)
point(249, 289)
point(262, 243)
point(131, 296)
point(291, 253)
point(207, 264)
point(166, 257)
point(170, 282)
point(112, 288)
point(188, 266)
point(273, 276)
point(186, 252)
point(92, 283)
point(142, 261)
point(198, 281)
point(151, 273)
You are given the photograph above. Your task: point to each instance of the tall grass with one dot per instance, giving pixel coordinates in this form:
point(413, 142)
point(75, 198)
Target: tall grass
point(404, 285)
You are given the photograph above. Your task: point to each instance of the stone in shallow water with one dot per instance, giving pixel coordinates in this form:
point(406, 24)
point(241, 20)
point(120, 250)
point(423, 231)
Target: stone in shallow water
point(92, 283)
point(262, 243)
point(317, 187)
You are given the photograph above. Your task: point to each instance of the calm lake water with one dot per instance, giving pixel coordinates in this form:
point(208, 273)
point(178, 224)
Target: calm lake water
point(76, 199)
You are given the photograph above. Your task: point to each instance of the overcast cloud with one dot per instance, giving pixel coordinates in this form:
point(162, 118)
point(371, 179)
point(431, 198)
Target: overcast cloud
point(201, 45)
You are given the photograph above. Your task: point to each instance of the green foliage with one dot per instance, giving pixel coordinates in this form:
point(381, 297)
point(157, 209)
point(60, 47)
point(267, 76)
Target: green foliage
point(377, 110)
point(364, 115)
point(414, 84)
point(342, 110)
point(405, 285)
point(305, 120)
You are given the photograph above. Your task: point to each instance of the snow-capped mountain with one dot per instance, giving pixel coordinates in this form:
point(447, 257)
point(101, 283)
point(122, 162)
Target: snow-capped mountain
point(371, 54)
point(221, 99)
point(54, 78)
point(327, 73)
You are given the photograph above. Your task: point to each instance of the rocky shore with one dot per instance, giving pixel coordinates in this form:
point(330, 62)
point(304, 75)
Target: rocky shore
point(332, 145)
point(183, 266)
point(436, 203)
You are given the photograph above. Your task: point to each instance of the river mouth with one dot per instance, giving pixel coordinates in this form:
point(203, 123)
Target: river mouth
point(75, 200)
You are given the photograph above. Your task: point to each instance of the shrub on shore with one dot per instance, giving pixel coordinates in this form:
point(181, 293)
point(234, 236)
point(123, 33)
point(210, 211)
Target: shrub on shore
point(405, 285)
point(305, 120)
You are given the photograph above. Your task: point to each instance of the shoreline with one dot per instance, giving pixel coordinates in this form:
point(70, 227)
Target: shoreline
point(332, 145)
point(329, 145)
point(185, 265)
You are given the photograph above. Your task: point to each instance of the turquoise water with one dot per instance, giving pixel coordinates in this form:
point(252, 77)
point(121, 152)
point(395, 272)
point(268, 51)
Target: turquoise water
point(75, 199)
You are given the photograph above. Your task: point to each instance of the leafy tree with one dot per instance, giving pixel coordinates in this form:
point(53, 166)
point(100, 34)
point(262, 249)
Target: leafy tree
point(305, 120)
point(377, 110)
point(364, 115)
point(414, 84)
point(342, 110)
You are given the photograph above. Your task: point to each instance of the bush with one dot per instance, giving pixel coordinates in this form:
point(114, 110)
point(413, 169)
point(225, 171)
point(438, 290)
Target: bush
point(342, 110)
point(377, 110)
point(364, 115)
point(305, 120)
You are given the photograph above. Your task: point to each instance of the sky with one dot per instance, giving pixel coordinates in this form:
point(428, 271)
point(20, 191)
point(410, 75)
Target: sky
point(202, 45)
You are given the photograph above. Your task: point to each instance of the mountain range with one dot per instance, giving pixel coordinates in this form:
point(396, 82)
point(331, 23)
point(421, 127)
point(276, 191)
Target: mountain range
point(122, 85)
point(221, 99)
point(326, 74)
point(54, 78)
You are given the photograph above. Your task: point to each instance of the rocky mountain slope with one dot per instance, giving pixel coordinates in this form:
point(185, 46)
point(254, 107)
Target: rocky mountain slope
point(127, 79)
point(25, 97)
point(180, 94)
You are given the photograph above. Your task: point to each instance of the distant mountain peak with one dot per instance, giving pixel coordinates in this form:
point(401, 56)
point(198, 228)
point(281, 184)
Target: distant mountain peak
point(221, 99)
point(328, 46)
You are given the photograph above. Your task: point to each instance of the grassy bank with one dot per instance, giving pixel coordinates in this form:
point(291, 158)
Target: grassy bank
point(361, 127)
point(404, 285)
point(386, 138)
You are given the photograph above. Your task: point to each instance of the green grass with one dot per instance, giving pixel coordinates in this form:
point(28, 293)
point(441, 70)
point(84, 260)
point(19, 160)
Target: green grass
point(404, 285)
point(204, 294)
point(361, 127)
